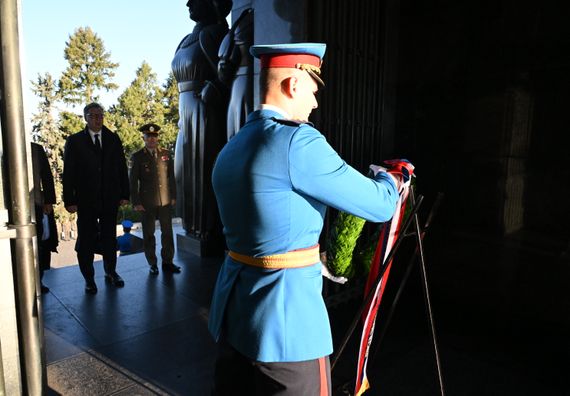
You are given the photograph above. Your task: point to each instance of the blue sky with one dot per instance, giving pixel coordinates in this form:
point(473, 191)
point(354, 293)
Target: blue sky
point(132, 31)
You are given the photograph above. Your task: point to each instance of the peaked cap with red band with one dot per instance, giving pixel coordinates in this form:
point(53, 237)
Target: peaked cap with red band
point(304, 56)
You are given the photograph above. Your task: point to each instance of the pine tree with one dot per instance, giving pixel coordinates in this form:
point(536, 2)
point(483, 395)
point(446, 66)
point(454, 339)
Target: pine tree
point(171, 114)
point(90, 68)
point(46, 132)
point(44, 126)
point(140, 103)
point(70, 123)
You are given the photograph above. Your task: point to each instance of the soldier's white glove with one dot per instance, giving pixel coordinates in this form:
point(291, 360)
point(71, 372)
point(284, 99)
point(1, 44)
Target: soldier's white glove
point(327, 274)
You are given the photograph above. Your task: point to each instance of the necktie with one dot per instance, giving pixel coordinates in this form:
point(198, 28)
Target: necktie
point(97, 141)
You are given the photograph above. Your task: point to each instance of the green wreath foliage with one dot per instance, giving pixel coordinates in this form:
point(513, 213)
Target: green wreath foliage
point(342, 242)
point(341, 258)
point(366, 255)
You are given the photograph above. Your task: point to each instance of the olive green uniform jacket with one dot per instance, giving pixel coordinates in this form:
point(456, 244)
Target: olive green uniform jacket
point(152, 180)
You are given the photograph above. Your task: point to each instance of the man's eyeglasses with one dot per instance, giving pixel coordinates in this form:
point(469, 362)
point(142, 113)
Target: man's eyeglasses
point(95, 116)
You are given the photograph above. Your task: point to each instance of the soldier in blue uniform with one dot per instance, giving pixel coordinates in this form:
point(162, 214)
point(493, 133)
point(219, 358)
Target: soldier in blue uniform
point(129, 243)
point(273, 182)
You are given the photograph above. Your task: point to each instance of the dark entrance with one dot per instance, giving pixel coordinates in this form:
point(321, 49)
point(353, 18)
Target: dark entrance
point(476, 94)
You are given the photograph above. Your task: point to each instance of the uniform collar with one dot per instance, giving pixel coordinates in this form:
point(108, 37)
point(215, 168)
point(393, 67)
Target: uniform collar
point(282, 113)
point(263, 113)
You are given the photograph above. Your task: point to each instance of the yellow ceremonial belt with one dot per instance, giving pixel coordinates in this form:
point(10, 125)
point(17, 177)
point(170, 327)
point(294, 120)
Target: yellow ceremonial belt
point(292, 259)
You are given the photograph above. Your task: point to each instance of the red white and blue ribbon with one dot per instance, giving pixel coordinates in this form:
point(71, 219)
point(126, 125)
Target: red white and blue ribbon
point(388, 236)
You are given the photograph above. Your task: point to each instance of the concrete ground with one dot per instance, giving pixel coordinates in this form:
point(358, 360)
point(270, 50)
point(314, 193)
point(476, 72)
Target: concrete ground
point(147, 338)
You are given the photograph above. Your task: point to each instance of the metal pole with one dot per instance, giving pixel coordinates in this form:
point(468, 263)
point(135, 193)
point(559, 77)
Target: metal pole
point(404, 280)
point(428, 299)
point(15, 148)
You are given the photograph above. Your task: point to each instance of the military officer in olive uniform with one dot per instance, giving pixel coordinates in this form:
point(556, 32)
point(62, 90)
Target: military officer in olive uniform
point(153, 192)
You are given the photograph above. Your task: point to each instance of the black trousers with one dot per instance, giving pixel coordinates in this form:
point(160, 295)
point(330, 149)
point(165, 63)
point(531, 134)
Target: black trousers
point(236, 375)
point(96, 233)
point(44, 257)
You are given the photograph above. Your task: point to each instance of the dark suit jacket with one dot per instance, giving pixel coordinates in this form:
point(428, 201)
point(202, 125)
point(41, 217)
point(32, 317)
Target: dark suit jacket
point(43, 192)
point(91, 180)
point(43, 189)
point(152, 181)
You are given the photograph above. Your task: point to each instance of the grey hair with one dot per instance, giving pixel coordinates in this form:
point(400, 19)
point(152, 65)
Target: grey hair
point(92, 105)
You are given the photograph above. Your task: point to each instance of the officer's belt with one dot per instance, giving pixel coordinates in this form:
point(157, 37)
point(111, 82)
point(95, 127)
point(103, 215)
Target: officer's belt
point(193, 85)
point(293, 259)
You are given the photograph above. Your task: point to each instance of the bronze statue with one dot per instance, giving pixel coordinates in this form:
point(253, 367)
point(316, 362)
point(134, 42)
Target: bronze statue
point(235, 69)
point(203, 107)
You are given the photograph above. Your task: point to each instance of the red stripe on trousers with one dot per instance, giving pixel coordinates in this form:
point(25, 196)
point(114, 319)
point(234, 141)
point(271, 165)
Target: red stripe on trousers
point(323, 375)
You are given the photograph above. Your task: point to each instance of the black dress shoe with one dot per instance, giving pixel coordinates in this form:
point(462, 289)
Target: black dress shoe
point(171, 268)
point(44, 289)
point(115, 280)
point(90, 288)
point(153, 270)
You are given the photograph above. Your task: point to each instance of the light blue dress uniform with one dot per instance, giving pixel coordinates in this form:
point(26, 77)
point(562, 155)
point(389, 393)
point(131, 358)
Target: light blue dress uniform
point(273, 182)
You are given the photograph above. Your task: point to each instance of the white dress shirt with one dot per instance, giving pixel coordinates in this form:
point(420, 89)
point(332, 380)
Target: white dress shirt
point(93, 133)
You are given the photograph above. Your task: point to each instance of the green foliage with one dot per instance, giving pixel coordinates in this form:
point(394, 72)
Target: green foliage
point(127, 212)
point(171, 114)
point(140, 103)
point(171, 96)
point(46, 132)
point(365, 256)
point(89, 68)
point(342, 242)
point(70, 123)
point(130, 136)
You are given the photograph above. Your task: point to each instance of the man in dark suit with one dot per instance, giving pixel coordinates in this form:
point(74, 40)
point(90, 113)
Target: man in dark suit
point(43, 194)
point(95, 183)
point(153, 192)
